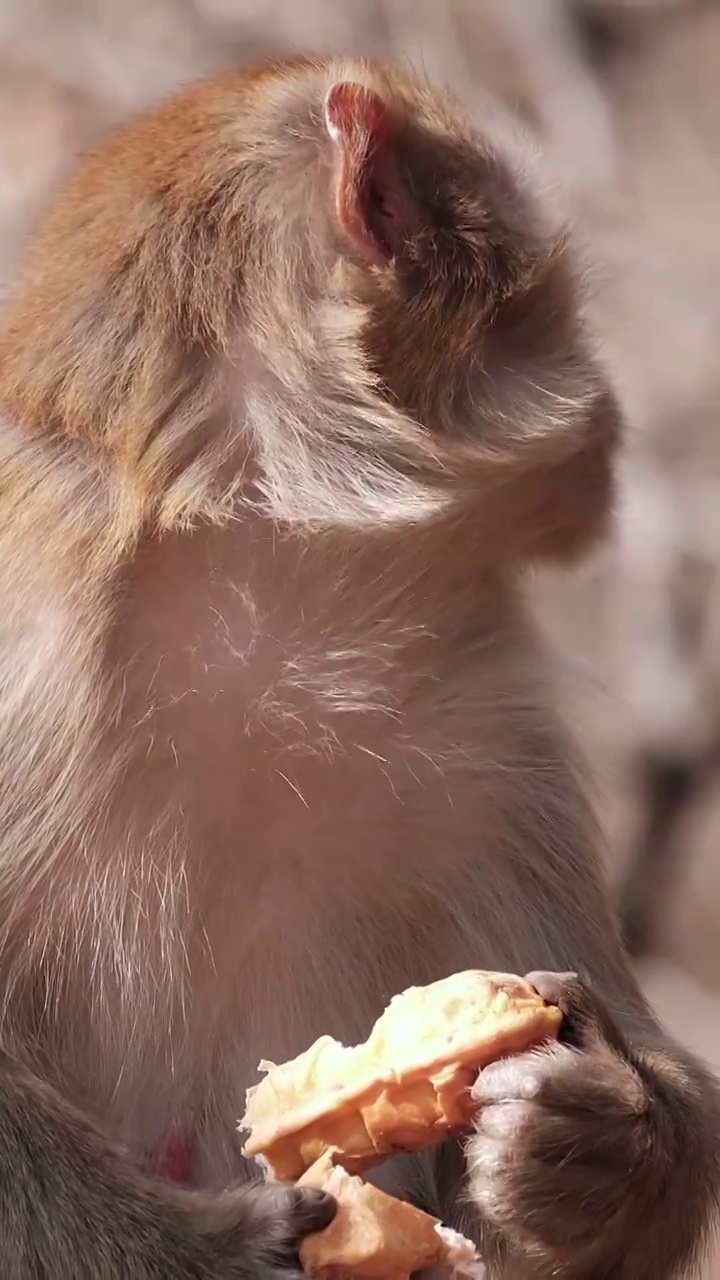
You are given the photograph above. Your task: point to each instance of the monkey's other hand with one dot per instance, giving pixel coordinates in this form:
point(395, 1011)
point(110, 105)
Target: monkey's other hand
point(74, 1204)
point(592, 1157)
point(266, 1224)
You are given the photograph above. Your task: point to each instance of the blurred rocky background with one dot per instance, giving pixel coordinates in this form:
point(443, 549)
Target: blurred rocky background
point(624, 96)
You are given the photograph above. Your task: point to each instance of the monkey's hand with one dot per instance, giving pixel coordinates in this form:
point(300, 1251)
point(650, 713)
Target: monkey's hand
point(72, 1205)
point(592, 1157)
point(254, 1233)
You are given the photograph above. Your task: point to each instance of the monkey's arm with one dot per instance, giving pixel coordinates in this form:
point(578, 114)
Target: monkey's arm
point(597, 1157)
point(72, 1206)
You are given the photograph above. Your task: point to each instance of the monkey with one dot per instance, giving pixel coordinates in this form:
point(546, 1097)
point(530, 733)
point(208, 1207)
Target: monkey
point(294, 390)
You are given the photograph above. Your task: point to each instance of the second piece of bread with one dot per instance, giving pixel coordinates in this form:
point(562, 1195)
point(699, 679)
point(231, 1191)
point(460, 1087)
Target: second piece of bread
point(376, 1236)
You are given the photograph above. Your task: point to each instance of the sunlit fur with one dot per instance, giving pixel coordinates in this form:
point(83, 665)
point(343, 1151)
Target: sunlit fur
point(274, 734)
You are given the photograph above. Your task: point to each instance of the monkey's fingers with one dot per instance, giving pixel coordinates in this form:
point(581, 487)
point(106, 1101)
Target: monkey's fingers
point(270, 1220)
point(308, 1209)
point(511, 1080)
point(586, 1018)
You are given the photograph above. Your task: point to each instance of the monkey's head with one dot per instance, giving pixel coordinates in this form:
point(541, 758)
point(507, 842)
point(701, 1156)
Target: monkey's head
point(313, 287)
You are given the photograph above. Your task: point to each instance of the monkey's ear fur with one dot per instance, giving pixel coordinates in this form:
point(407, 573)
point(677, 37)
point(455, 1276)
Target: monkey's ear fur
point(374, 209)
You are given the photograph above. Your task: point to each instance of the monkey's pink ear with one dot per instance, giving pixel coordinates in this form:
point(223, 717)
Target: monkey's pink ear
point(374, 209)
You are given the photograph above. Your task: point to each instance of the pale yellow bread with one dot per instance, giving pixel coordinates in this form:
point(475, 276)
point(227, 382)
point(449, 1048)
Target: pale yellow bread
point(375, 1235)
point(406, 1087)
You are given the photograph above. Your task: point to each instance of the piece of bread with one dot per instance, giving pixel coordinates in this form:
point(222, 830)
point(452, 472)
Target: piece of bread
point(406, 1087)
point(375, 1235)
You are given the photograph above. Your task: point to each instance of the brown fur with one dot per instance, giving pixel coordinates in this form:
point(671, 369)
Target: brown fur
point(274, 734)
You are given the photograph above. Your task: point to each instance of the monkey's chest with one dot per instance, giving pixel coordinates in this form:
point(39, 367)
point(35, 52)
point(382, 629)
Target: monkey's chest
point(276, 961)
point(324, 826)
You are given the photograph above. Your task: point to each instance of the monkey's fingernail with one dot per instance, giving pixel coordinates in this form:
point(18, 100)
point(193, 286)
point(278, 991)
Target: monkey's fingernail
point(555, 988)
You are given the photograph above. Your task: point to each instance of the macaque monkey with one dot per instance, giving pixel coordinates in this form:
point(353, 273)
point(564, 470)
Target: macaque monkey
point(292, 386)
